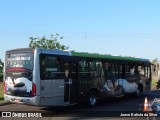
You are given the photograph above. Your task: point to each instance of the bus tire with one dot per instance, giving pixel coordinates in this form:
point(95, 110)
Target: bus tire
point(139, 90)
point(92, 99)
point(123, 92)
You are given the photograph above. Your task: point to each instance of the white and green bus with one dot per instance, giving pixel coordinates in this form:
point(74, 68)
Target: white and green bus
point(45, 77)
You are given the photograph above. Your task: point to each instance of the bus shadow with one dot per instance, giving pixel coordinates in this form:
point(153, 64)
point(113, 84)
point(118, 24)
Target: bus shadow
point(101, 109)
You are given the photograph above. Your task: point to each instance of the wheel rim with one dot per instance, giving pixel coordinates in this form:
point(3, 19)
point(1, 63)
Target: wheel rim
point(92, 100)
point(122, 92)
point(138, 92)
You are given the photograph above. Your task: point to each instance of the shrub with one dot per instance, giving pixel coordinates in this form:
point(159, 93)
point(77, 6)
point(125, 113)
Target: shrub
point(1, 77)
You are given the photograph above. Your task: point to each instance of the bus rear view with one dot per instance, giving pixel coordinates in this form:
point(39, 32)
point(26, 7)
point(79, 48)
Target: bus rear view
point(19, 86)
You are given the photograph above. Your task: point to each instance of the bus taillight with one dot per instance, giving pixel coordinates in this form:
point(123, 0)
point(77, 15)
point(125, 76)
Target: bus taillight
point(33, 90)
point(4, 87)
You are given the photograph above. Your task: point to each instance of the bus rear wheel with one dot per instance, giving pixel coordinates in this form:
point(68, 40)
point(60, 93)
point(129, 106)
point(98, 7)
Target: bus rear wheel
point(92, 99)
point(139, 90)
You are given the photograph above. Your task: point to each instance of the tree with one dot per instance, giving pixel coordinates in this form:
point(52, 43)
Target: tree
point(51, 43)
point(1, 65)
point(154, 61)
point(155, 64)
point(1, 70)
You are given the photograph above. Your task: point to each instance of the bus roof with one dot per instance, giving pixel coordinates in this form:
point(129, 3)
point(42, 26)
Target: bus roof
point(107, 56)
point(84, 54)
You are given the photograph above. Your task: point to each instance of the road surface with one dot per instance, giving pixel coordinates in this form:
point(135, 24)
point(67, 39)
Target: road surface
point(106, 109)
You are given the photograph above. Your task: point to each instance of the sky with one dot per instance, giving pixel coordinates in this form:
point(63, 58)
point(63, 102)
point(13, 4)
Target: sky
point(116, 27)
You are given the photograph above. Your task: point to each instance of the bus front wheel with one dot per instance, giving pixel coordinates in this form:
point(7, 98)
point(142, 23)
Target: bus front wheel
point(92, 99)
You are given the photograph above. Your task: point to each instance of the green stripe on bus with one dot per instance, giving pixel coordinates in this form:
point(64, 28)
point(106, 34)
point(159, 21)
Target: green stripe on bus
point(107, 56)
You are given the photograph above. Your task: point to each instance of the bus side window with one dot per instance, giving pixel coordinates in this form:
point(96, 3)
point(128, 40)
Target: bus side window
point(83, 68)
point(108, 70)
point(123, 71)
point(50, 67)
point(42, 67)
point(99, 66)
point(96, 69)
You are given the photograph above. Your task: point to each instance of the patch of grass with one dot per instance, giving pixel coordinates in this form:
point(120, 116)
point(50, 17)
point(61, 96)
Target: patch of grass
point(1, 92)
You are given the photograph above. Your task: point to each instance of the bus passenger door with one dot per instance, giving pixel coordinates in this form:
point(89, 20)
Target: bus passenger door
point(70, 83)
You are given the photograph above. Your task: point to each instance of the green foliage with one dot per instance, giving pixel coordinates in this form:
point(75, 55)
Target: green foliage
point(154, 61)
point(1, 70)
point(1, 66)
point(51, 43)
point(1, 77)
point(154, 64)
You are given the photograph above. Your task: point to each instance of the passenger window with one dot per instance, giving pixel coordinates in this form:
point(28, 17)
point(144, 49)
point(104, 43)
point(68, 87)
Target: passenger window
point(50, 67)
point(96, 69)
point(113, 70)
point(83, 68)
